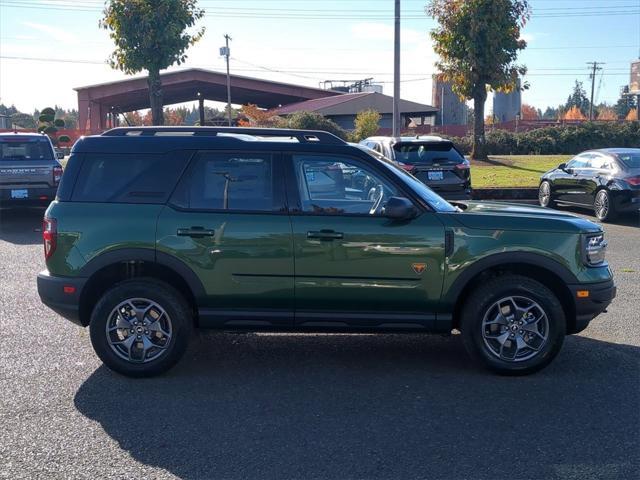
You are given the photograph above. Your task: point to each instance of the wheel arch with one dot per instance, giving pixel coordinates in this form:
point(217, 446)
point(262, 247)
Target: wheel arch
point(546, 271)
point(115, 266)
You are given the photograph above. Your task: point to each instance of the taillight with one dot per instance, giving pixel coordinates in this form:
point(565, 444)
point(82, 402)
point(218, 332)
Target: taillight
point(464, 165)
point(635, 181)
point(49, 236)
point(407, 166)
point(57, 175)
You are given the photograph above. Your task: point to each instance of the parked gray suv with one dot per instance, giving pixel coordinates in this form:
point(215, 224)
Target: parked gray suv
point(433, 160)
point(29, 169)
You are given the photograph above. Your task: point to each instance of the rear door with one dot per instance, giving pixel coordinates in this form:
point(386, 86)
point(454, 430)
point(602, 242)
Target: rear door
point(354, 267)
point(227, 222)
point(26, 162)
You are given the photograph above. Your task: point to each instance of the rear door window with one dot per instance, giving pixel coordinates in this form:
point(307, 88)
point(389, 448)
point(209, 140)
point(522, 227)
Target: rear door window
point(128, 178)
point(428, 153)
point(230, 181)
point(21, 148)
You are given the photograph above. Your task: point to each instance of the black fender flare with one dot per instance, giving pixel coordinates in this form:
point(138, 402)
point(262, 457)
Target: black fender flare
point(497, 259)
point(145, 255)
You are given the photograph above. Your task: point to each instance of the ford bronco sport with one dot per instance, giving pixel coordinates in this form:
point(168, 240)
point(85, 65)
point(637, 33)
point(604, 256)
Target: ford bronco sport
point(29, 169)
point(157, 230)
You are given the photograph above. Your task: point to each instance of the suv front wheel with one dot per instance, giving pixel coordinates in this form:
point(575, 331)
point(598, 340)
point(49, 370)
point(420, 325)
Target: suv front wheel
point(140, 327)
point(513, 324)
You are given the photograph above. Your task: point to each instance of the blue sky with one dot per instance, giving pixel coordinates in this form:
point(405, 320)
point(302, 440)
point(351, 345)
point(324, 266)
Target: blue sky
point(49, 47)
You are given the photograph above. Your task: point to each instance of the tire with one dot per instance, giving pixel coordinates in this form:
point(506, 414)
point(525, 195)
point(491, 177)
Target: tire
point(545, 197)
point(603, 207)
point(164, 326)
point(528, 351)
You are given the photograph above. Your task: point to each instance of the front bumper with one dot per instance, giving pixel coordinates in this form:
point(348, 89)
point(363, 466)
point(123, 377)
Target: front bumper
point(65, 303)
point(587, 308)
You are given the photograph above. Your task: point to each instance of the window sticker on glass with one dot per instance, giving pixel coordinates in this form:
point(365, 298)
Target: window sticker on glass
point(311, 176)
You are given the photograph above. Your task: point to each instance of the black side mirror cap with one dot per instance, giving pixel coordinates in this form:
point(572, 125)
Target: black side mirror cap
point(562, 166)
point(399, 208)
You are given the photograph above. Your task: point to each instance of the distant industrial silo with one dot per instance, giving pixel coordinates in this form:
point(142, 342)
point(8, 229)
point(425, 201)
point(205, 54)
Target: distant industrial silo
point(507, 105)
point(451, 110)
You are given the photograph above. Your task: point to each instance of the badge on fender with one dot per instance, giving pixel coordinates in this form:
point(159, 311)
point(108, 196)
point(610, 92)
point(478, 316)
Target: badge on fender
point(419, 267)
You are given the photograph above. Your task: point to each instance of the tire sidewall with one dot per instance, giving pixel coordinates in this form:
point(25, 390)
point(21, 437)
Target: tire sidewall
point(610, 213)
point(165, 296)
point(550, 202)
point(486, 296)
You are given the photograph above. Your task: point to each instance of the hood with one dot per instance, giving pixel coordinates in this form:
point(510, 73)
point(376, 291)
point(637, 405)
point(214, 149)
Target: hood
point(515, 216)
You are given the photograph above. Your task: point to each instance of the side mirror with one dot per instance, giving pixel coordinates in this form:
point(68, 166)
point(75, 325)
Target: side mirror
point(562, 166)
point(399, 208)
point(59, 155)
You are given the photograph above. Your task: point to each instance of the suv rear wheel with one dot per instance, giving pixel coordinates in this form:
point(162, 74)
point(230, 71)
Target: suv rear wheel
point(513, 324)
point(140, 327)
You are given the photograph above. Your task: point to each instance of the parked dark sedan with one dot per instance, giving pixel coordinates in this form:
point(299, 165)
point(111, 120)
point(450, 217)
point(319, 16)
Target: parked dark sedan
point(607, 180)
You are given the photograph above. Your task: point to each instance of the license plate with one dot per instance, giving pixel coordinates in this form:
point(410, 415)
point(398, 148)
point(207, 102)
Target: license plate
point(19, 193)
point(436, 175)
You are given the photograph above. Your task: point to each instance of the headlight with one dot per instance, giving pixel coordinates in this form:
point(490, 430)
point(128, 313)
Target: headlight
point(594, 248)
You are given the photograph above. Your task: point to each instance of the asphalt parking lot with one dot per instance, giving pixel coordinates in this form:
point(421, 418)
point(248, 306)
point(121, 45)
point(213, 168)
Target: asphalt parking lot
point(313, 406)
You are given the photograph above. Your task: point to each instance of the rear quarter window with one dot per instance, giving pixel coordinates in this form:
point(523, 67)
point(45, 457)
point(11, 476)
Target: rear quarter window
point(128, 178)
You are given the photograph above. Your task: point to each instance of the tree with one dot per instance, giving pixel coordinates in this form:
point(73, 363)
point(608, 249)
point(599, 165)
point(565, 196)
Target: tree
point(551, 114)
point(632, 115)
point(151, 35)
point(625, 103)
point(313, 121)
point(478, 43)
point(578, 98)
point(49, 124)
point(366, 124)
point(606, 113)
point(257, 117)
point(528, 112)
point(23, 120)
point(574, 113)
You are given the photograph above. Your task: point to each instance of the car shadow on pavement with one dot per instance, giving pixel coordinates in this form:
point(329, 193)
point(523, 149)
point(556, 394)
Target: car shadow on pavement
point(374, 406)
point(21, 226)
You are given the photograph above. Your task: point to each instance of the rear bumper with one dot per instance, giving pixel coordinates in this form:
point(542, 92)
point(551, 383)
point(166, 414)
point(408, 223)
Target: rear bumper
point(34, 195)
point(626, 200)
point(52, 293)
point(587, 308)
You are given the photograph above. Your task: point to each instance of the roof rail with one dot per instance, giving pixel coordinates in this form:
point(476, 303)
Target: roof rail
point(302, 136)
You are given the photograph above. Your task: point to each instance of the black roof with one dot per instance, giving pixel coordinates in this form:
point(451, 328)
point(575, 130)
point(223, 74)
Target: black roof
point(165, 139)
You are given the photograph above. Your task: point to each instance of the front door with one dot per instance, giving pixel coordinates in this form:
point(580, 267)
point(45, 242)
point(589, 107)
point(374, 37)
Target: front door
point(227, 222)
point(355, 267)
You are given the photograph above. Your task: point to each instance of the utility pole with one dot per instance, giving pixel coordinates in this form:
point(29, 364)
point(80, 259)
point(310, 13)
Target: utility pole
point(593, 83)
point(226, 52)
point(396, 71)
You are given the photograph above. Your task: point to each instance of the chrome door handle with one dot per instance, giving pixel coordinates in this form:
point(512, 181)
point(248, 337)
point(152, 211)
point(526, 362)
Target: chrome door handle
point(325, 235)
point(196, 232)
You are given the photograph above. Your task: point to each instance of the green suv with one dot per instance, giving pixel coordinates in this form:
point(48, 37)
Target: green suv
point(156, 231)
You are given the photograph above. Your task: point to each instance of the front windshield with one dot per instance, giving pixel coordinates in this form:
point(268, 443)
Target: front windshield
point(438, 203)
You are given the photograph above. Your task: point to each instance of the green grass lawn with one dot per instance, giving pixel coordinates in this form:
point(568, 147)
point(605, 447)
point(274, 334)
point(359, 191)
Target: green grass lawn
point(513, 170)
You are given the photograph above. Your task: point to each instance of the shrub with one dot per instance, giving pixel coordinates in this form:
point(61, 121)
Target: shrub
point(366, 124)
point(565, 139)
point(313, 121)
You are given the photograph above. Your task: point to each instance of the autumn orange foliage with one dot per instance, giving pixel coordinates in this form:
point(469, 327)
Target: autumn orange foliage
point(528, 112)
point(574, 113)
point(632, 115)
point(607, 113)
point(256, 117)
